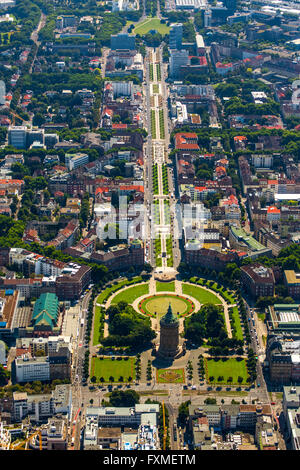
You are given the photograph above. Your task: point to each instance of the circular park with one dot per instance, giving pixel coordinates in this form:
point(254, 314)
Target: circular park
point(157, 305)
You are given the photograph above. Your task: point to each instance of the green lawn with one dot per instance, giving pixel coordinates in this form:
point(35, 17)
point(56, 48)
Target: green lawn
point(97, 323)
point(203, 296)
point(151, 72)
point(229, 368)
point(158, 72)
point(157, 246)
point(153, 124)
point(151, 23)
point(155, 179)
point(162, 125)
point(237, 323)
point(107, 367)
point(131, 294)
point(129, 23)
point(158, 305)
point(165, 286)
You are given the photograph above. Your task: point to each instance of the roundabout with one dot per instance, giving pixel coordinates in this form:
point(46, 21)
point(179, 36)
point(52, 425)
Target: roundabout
point(157, 305)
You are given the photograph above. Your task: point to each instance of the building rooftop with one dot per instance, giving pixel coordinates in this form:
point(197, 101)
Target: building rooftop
point(292, 277)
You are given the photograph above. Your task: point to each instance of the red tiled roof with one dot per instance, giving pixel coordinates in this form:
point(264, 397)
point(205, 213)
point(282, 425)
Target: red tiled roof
point(101, 190)
point(185, 140)
point(202, 60)
point(273, 210)
point(219, 65)
point(21, 351)
point(108, 111)
point(4, 181)
point(220, 169)
point(132, 188)
point(119, 125)
point(230, 200)
point(86, 241)
point(59, 167)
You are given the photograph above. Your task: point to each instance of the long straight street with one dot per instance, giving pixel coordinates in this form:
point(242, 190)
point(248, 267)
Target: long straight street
point(159, 194)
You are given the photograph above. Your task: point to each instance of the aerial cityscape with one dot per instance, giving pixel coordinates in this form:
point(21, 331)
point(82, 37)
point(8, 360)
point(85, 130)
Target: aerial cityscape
point(149, 226)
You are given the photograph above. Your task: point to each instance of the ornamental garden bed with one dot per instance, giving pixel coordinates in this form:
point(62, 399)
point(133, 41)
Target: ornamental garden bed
point(170, 376)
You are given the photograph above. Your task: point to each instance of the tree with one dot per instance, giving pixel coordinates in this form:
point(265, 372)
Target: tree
point(126, 398)
point(4, 376)
point(183, 412)
point(210, 401)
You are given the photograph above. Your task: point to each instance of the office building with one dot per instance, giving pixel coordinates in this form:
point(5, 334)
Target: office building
point(207, 18)
point(25, 369)
point(65, 21)
point(190, 4)
point(139, 417)
point(291, 409)
point(283, 318)
point(122, 41)
point(258, 280)
point(17, 136)
point(41, 407)
point(177, 60)
point(55, 366)
point(230, 5)
point(262, 161)
point(76, 160)
point(175, 36)
point(292, 282)
point(53, 437)
point(283, 358)
point(4, 4)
